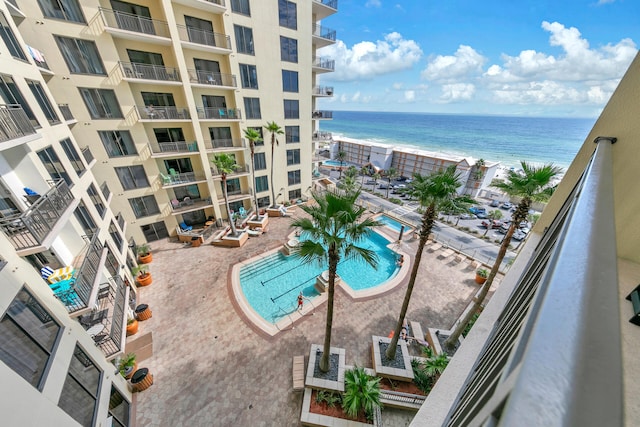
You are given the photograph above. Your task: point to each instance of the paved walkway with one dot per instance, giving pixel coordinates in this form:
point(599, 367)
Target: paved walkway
point(211, 369)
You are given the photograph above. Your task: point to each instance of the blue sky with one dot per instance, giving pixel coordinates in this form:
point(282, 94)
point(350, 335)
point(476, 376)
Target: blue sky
point(558, 58)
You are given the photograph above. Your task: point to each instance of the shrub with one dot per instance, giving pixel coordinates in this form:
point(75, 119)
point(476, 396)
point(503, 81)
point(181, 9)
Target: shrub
point(420, 378)
point(396, 201)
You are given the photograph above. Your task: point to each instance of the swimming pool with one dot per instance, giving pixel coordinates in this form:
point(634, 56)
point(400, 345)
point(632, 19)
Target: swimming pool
point(271, 284)
point(391, 223)
point(336, 164)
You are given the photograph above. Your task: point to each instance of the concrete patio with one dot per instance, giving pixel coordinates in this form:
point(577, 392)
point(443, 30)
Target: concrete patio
point(212, 368)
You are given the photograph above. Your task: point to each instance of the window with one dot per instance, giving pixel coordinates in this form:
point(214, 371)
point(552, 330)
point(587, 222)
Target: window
point(144, 206)
point(249, 76)
point(132, 177)
point(28, 334)
point(10, 94)
point(233, 186)
point(118, 143)
point(80, 391)
point(295, 194)
point(289, 81)
point(114, 232)
point(264, 202)
point(259, 161)
point(259, 130)
point(96, 200)
point(252, 108)
point(293, 157)
point(158, 99)
point(84, 218)
point(111, 263)
point(101, 103)
point(287, 13)
point(43, 101)
point(10, 39)
point(241, 6)
point(293, 177)
point(288, 49)
point(221, 137)
point(118, 409)
point(291, 109)
point(81, 56)
point(244, 39)
point(72, 154)
point(155, 231)
point(292, 134)
point(52, 163)
point(69, 10)
point(262, 184)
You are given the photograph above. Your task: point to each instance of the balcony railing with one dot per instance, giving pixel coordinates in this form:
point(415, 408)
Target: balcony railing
point(324, 63)
point(120, 221)
point(66, 112)
point(14, 122)
point(173, 147)
point(322, 115)
point(31, 227)
point(134, 23)
point(204, 37)
point(211, 78)
point(235, 195)
point(112, 297)
point(324, 32)
point(323, 90)
point(219, 113)
point(238, 171)
point(189, 205)
point(133, 70)
point(38, 58)
point(221, 144)
point(106, 192)
point(329, 3)
point(322, 136)
point(88, 155)
point(181, 178)
point(162, 113)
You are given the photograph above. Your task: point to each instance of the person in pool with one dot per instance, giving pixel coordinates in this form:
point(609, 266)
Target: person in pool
point(300, 301)
point(400, 261)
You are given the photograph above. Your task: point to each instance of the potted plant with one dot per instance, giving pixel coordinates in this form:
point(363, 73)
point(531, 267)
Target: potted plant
point(132, 326)
point(127, 365)
point(481, 275)
point(143, 277)
point(144, 254)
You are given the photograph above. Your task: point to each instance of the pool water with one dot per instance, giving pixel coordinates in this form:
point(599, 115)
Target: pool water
point(271, 285)
point(336, 163)
point(391, 223)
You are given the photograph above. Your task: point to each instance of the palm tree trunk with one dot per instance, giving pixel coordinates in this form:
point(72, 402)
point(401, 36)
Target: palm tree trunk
point(388, 187)
point(427, 225)
point(326, 350)
point(274, 204)
point(226, 203)
point(253, 178)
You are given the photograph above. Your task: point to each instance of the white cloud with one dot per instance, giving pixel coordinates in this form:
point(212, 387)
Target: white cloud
point(409, 95)
point(397, 86)
point(601, 2)
point(373, 3)
point(366, 60)
point(457, 92)
point(464, 63)
point(355, 97)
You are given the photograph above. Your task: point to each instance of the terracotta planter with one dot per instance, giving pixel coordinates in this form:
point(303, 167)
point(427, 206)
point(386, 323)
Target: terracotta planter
point(143, 279)
point(145, 259)
point(131, 371)
point(480, 280)
point(132, 328)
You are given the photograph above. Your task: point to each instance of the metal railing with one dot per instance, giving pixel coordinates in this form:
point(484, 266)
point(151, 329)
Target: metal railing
point(219, 2)
point(324, 32)
point(329, 3)
point(211, 78)
point(238, 171)
point(190, 204)
point(66, 112)
point(322, 115)
point(173, 147)
point(323, 90)
point(325, 63)
point(219, 113)
point(14, 122)
point(135, 23)
point(78, 297)
point(321, 136)
point(218, 144)
point(120, 220)
point(37, 57)
point(162, 113)
point(115, 297)
point(87, 154)
point(182, 178)
point(235, 195)
point(136, 70)
point(31, 227)
point(106, 192)
point(204, 37)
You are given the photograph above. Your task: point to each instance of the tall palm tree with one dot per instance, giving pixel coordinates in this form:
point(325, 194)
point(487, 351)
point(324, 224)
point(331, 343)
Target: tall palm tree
point(341, 156)
point(226, 164)
point(361, 392)
point(364, 171)
point(391, 174)
point(376, 177)
point(432, 191)
point(254, 137)
point(531, 185)
point(275, 129)
point(350, 183)
point(333, 230)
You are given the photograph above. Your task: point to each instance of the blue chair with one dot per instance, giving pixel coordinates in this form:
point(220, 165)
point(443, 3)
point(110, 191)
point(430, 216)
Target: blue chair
point(185, 227)
point(242, 212)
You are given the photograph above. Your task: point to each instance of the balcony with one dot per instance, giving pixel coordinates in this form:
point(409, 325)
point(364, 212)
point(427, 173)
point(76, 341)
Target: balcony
point(211, 6)
point(324, 8)
point(14, 122)
point(209, 113)
point(222, 145)
point(38, 58)
point(321, 136)
point(209, 78)
point(322, 115)
point(106, 192)
point(322, 91)
point(241, 170)
point(35, 229)
point(108, 320)
point(66, 113)
point(235, 196)
point(323, 36)
point(163, 113)
point(181, 178)
point(189, 205)
point(132, 71)
point(323, 65)
point(170, 149)
point(207, 41)
point(135, 27)
point(88, 156)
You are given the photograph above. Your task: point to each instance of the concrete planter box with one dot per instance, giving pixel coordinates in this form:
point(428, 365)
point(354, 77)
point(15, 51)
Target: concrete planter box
point(233, 242)
point(434, 342)
point(262, 223)
point(310, 419)
point(398, 374)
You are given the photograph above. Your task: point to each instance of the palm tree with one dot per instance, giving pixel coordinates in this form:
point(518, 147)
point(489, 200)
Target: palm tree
point(275, 129)
point(335, 227)
point(391, 174)
point(432, 192)
point(531, 185)
point(350, 183)
point(254, 137)
point(434, 366)
point(226, 164)
point(376, 177)
point(364, 171)
point(361, 392)
point(341, 158)
point(494, 214)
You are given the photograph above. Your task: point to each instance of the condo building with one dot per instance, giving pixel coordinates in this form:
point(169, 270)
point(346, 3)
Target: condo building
point(111, 113)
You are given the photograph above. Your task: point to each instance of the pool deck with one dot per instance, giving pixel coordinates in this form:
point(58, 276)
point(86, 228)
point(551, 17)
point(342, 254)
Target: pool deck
point(212, 366)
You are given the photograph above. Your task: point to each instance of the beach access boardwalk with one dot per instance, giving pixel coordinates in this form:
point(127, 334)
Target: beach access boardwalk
point(211, 368)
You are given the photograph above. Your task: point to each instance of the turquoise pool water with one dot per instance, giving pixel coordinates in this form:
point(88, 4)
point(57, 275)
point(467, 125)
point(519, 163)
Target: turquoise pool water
point(271, 285)
point(391, 223)
point(335, 163)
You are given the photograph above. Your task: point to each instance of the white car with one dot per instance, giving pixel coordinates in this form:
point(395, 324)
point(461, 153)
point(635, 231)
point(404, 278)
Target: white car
point(518, 235)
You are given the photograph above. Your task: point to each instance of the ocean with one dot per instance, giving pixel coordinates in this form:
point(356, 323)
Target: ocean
point(493, 138)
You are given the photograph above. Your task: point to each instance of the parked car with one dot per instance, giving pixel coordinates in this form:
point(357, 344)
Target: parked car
point(468, 216)
point(477, 209)
point(518, 235)
point(370, 182)
point(506, 205)
point(495, 203)
point(482, 214)
point(491, 223)
point(383, 185)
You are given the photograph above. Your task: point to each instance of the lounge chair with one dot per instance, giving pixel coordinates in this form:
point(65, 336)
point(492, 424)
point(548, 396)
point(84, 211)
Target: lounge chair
point(185, 227)
point(242, 211)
